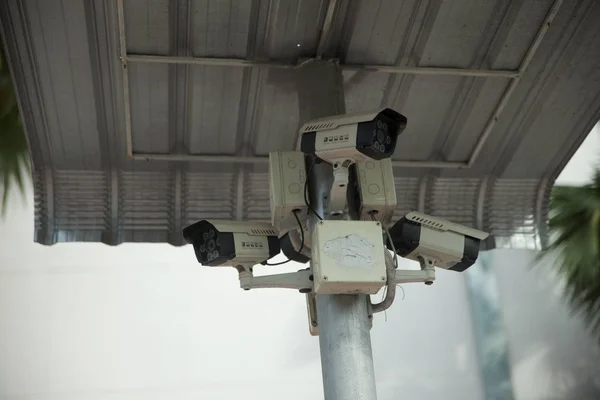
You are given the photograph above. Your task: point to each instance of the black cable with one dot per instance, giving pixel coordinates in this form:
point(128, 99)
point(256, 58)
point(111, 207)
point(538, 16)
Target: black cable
point(309, 208)
point(276, 264)
point(301, 246)
point(308, 205)
point(301, 231)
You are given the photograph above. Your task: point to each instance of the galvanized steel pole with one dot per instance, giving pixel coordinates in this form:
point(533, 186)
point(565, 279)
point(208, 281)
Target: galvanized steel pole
point(343, 320)
point(345, 340)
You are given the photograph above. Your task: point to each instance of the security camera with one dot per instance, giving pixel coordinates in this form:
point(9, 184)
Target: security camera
point(355, 137)
point(232, 243)
point(435, 241)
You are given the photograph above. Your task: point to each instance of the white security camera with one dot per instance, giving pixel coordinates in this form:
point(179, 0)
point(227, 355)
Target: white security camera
point(232, 243)
point(344, 140)
point(355, 137)
point(435, 241)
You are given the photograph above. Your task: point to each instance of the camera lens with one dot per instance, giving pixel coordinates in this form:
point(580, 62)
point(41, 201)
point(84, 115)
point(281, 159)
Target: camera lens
point(376, 146)
point(203, 249)
point(211, 233)
point(211, 245)
point(380, 135)
point(205, 235)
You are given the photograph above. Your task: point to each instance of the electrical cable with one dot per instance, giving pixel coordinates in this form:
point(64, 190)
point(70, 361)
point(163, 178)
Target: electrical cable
point(390, 288)
point(403, 293)
point(308, 205)
point(295, 212)
point(301, 231)
point(389, 237)
point(391, 264)
point(387, 232)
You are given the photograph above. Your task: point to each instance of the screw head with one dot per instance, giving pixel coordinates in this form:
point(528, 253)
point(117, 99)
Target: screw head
point(378, 224)
point(383, 278)
point(325, 277)
point(321, 222)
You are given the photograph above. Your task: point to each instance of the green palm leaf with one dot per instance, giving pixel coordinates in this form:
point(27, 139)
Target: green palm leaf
point(14, 153)
point(574, 229)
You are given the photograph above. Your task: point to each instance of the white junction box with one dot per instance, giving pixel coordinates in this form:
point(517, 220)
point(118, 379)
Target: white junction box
point(376, 189)
point(287, 176)
point(348, 257)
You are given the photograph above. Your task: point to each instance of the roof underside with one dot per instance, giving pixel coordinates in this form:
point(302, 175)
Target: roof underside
point(80, 93)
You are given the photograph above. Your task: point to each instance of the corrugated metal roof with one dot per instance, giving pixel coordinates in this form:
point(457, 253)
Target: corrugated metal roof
point(69, 77)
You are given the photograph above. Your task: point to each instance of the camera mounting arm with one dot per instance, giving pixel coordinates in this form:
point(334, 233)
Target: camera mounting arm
point(301, 280)
point(339, 188)
point(425, 275)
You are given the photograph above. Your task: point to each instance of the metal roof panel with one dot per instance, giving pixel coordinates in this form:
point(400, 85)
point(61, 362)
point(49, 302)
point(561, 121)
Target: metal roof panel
point(69, 78)
point(213, 105)
point(147, 26)
point(276, 121)
point(292, 28)
point(520, 25)
point(219, 28)
point(149, 94)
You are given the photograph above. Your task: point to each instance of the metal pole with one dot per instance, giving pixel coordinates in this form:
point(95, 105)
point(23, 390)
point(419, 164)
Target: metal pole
point(344, 336)
point(345, 341)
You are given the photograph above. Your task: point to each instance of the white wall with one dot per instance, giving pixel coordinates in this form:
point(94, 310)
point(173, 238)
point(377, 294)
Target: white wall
point(140, 321)
point(88, 321)
point(552, 355)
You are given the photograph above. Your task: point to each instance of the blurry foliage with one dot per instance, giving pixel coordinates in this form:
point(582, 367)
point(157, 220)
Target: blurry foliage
point(575, 238)
point(14, 153)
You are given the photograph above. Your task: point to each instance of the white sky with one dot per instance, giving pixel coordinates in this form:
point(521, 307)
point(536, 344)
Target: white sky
point(580, 168)
point(139, 321)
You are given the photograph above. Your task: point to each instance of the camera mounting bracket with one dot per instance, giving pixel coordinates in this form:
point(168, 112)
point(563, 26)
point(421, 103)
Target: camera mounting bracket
point(339, 188)
point(300, 280)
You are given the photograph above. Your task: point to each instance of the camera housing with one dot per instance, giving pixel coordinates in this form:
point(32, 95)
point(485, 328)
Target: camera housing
point(348, 257)
point(372, 191)
point(419, 237)
point(232, 243)
point(287, 178)
point(358, 137)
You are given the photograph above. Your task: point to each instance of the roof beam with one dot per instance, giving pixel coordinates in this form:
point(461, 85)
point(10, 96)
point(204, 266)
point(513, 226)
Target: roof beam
point(389, 69)
point(232, 159)
point(326, 30)
point(124, 75)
